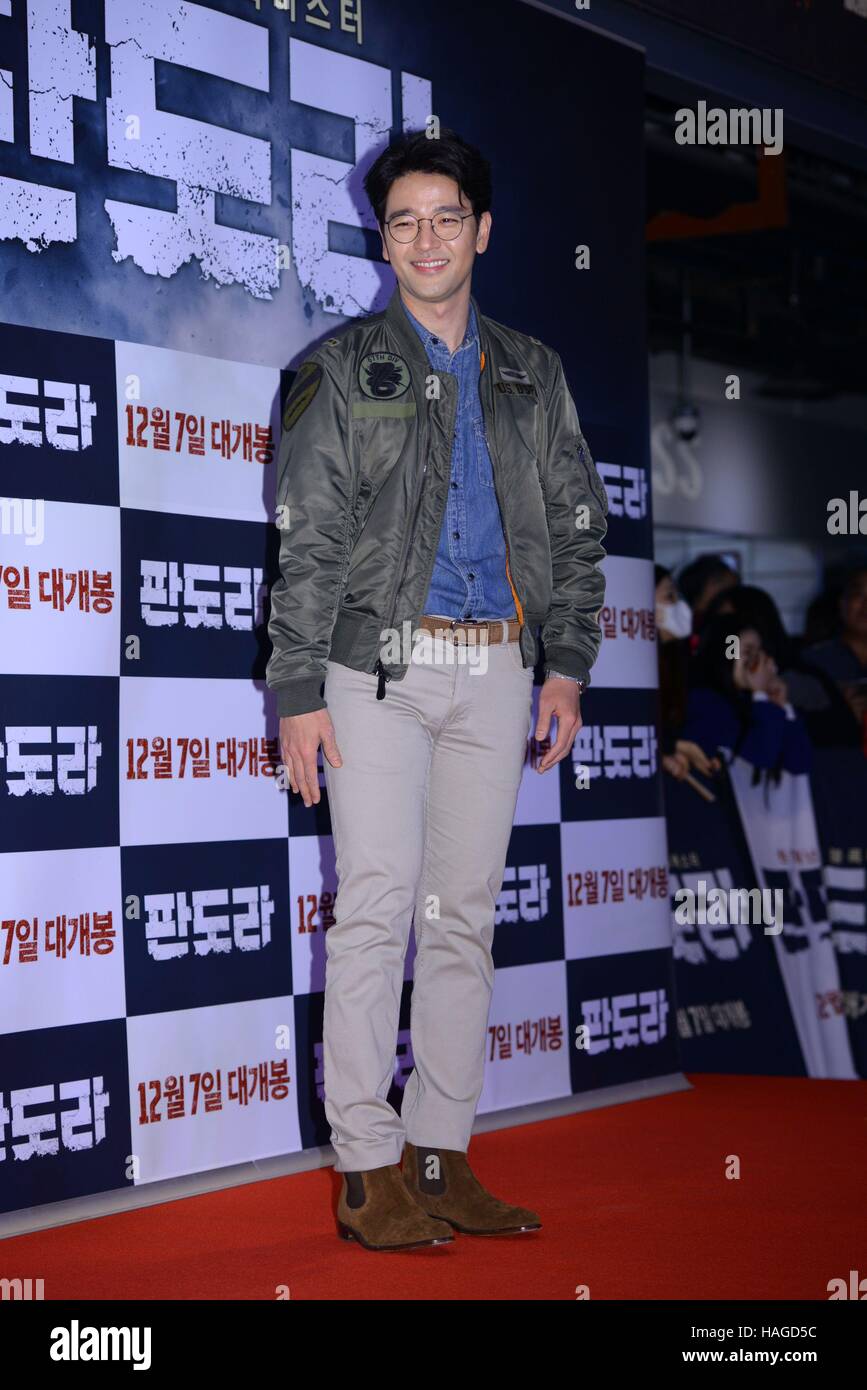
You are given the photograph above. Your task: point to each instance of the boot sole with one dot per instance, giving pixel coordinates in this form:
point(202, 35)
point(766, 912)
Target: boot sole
point(346, 1233)
point(497, 1231)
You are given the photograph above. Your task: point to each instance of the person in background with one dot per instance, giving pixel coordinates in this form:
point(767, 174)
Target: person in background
point(673, 629)
point(739, 701)
point(813, 694)
point(844, 658)
point(701, 581)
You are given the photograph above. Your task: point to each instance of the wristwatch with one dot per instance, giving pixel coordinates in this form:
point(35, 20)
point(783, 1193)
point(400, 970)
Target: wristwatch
point(580, 684)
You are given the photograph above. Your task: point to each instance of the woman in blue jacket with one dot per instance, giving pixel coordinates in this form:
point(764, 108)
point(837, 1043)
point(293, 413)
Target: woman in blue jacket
point(739, 701)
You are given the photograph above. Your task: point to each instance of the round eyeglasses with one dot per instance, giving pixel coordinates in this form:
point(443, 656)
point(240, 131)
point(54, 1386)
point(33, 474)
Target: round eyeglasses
point(447, 225)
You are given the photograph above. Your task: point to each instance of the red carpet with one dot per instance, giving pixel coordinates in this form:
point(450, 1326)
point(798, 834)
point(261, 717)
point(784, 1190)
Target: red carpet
point(634, 1200)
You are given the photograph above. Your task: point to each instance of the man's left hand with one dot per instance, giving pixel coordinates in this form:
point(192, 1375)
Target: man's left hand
point(560, 698)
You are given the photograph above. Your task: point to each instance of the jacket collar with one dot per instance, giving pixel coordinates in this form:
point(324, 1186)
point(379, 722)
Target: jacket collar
point(411, 344)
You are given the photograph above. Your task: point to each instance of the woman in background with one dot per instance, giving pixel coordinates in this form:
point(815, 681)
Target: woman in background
point(813, 694)
point(679, 756)
point(739, 700)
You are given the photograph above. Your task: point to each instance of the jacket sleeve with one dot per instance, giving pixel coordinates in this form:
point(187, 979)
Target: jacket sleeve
point(314, 487)
point(574, 493)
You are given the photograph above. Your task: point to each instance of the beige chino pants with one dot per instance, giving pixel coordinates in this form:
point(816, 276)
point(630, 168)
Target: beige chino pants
point(421, 811)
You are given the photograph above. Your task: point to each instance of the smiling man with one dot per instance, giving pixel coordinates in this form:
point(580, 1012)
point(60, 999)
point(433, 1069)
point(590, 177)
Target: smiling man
point(442, 513)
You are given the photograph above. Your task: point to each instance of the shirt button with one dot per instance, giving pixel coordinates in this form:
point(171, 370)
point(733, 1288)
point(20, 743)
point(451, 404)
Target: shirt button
point(457, 535)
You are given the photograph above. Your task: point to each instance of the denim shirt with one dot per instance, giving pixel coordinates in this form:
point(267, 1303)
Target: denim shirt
point(469, 577)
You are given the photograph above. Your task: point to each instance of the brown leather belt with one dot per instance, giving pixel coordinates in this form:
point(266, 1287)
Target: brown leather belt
point(483, 631)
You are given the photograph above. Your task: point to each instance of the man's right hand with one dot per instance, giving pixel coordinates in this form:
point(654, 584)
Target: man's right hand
point(300, 737)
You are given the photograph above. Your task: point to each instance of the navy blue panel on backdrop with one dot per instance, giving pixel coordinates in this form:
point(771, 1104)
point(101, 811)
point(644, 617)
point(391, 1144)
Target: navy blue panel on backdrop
point(626, 1032)
point(733, 1013)
point(620, 457)
point(58, 416)
point(205, 924)
point(615, 756)
point(65, 1128)
point(59, 771)
point(529, 921)
point(180, 572)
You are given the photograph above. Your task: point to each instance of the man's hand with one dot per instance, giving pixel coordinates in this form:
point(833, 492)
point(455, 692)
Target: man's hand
point(561, 698)
point(300, 737)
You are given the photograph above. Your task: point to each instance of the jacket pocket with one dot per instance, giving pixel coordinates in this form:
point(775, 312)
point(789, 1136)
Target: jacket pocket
point(362, 500)
point(594, 482)
point(356, 521)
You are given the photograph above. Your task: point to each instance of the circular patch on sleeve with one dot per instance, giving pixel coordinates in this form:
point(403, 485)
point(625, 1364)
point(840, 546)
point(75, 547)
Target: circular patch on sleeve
point(304, 388)
point(383, 376)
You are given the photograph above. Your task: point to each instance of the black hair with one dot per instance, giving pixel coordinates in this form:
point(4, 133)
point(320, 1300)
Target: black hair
point(698, 573)
point(417, 153)
point(659, 573)
point(749, 606)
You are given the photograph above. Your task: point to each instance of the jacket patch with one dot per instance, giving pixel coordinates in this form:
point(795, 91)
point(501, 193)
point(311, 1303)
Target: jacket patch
point(304, 388)
point(514, 374)
point(514, 388)
point(383, 376)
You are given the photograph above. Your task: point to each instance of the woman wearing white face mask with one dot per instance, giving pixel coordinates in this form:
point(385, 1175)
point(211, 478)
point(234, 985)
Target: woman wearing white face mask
point(674, 625)
point(673, 613)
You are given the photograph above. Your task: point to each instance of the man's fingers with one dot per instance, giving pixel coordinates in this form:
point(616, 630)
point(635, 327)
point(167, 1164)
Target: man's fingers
point(566, 731)
point(311, 773)
point(290, 770)
point(303, 773)
point(543, 724)
point(330, 749)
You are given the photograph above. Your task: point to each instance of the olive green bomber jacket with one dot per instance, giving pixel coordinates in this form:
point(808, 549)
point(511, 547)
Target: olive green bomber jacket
point(364, 468)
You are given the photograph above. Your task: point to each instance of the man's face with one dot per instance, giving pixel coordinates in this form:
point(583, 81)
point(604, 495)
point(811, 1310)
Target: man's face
point(424, 195)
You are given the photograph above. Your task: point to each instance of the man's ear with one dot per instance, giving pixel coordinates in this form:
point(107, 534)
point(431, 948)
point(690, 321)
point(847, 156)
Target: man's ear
point(384, 247)
point(484, 231)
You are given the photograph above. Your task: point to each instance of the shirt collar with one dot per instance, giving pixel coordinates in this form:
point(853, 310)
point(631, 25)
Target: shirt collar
point(430, 340)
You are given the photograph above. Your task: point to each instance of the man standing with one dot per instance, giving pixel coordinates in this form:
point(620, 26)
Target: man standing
point(438, 504)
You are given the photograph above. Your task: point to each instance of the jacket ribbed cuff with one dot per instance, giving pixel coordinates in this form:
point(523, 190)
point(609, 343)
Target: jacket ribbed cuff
point(567, 660)
point(301, 697)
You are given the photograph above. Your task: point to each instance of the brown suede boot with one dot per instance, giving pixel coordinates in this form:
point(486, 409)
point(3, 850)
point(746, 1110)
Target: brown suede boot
point(442, 1182)
point(376, 1209)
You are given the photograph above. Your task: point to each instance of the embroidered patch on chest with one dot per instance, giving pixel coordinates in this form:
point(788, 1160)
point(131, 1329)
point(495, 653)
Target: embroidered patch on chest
point(383, 376)
point(514, 388)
